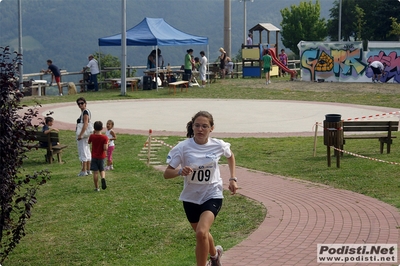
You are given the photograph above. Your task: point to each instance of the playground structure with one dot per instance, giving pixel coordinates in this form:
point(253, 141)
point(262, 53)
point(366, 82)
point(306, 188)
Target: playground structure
point(275, 60)
point(252, 54)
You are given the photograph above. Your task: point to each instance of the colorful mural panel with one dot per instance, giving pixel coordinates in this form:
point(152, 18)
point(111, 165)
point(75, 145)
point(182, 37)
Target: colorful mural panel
point(346, 62)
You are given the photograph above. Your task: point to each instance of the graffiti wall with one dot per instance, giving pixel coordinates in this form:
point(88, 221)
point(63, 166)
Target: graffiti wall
point(347, 61)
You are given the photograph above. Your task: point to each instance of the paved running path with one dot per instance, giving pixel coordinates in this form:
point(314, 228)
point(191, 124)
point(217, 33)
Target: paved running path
point(300, 214)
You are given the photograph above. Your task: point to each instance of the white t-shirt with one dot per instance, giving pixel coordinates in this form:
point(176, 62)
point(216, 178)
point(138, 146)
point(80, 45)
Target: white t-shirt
point(205, 181)
point(109, 136)
point(377, 64)
point(94, 66)
point(203, 65)
point(249, 41)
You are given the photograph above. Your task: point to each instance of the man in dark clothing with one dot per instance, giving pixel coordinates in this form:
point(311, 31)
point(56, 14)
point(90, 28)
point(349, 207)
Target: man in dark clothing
point(55, 73)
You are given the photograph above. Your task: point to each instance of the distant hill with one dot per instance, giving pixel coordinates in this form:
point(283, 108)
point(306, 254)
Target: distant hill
point(66, 31)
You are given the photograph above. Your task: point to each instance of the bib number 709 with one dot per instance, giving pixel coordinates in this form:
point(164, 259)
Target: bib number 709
point(201, 175)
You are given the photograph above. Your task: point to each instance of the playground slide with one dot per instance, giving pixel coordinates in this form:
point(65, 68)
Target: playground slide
point(293, 73)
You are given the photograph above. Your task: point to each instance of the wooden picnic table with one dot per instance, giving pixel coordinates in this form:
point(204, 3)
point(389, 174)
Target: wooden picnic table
point(133, 81)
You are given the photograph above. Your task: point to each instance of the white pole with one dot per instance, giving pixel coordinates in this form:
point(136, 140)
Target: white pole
point(123, 46)
point(20, 66)
point(244, 22)
point(227, 27)
point(340, 21)
point(315, 139)
point(157, 67)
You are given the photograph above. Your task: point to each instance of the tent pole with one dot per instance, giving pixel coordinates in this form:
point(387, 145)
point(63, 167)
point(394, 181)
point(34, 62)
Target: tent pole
point(156, 67)
point(101, 75)
point(208, 66)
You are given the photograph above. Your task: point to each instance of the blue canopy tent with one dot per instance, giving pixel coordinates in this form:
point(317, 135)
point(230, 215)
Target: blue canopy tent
point(154, 32)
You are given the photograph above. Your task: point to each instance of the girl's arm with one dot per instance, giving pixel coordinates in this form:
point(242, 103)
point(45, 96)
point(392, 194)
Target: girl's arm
point(232, 170)
point(114, 136)
point(171, 172)
point(85, 125)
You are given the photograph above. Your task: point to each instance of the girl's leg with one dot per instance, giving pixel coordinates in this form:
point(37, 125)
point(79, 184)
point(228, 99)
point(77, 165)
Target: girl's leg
point(83, 167)
point(87, 165)
point(204, 240)
point(109, 155)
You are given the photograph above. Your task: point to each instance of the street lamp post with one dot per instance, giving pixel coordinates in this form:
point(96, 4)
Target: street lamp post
point(244, 19)
point(340, 21)
point(20, 66)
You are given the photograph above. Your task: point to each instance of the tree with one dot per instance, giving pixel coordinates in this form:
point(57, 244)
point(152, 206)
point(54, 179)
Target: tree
point(359, 23)
point(366, 20)
point(352, 21)
point(302, 23)
point(382, 14)
point(17, 192)
point(395, 28)
point(108, 60)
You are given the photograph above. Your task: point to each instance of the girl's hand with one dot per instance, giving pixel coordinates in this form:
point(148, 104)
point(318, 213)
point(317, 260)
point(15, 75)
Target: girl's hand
point(233, 187)
point(186, 171)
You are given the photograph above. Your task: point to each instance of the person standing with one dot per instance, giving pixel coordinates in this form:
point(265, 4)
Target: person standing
point(83, 147)
point(377, 69)
point(151, 60)
point(55, 72)
point(99, 147)
point(189, 64)
point(267, 66)
point(229, 65)
point(249, 40)
point(93, 65)
point(160, 59)
point(284, 60)
point(222, 59)
point(196, 159)
point(111, 146)
point(203, 68)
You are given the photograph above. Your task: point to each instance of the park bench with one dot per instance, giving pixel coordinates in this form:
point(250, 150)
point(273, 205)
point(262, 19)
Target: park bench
point(181, 83)
point(50, 138)
point(371, 126)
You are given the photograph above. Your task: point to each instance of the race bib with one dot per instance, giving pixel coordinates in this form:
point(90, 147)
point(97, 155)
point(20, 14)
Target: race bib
point(202, 175)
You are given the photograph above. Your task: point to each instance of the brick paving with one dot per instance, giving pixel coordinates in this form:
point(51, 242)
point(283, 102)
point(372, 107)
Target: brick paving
point(302, 214)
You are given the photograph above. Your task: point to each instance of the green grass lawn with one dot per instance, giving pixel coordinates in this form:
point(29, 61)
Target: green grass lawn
point(138, 219)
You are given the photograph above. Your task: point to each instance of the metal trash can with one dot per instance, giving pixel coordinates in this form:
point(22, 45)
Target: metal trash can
point(333, 136)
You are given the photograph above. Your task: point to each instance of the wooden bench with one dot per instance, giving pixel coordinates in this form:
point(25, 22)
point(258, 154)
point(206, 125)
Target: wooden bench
point(371, 126)
point(173, 85)
point(133, 82)
point(237, 74)
point(50, 138)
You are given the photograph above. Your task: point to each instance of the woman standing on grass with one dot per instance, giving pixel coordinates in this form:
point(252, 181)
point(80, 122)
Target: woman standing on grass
point(202, 193)
point(83, 146)
point(222, 59)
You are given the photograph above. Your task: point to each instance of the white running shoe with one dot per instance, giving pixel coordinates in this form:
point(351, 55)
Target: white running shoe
point(217, 261)
point(82, 173)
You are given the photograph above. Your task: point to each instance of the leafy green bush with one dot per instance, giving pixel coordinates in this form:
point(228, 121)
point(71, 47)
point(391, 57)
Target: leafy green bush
point(17, 192)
